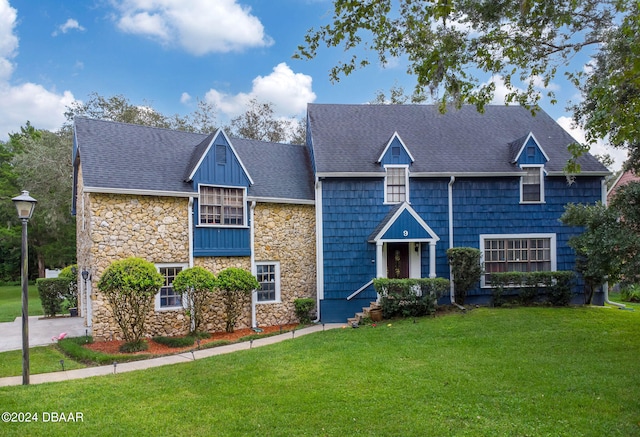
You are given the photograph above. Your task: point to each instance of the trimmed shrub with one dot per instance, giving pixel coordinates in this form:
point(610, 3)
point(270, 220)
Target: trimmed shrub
point(129, 287)
point(630, 293)
point(175, 341)
point(466, 270)
point(52, 293)
point(554, 287)
point(235, 285)
point(303, 307)
point(71, 295)
point(409, 297)
point(195, 285)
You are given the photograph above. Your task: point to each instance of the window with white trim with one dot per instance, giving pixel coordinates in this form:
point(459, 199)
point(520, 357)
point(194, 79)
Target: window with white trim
point(396, 184)
point(167, 298)
point(517, 253)
point(221, 206)
point(268, 275)
point(532, 185)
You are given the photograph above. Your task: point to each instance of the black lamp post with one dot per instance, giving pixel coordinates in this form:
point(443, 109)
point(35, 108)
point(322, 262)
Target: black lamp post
point(25, 205)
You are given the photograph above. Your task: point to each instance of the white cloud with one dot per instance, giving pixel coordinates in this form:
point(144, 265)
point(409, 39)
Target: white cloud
point(199, 26)
point(24, 102)
point(70, 24)
point(599, 148)
point(185, 98)
point(289, 93)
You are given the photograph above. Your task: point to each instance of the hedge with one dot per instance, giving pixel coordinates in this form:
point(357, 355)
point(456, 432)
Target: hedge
point(52, 293)
point(551, 287)
point(409, 297)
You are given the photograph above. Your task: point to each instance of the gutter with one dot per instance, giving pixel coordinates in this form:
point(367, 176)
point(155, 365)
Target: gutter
point(190, 228)
point(254, 270)
point(319, 249)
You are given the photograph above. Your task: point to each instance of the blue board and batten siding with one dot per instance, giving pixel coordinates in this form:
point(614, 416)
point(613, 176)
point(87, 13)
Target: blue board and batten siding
point(353, 207)
point(220, 169)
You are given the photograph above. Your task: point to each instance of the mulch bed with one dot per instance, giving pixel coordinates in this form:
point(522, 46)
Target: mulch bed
point(113, 347)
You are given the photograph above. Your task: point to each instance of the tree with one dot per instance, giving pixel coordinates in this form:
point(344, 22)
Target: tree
point(611, 90)
point(453, 46)
point(129, 286)
point(43, 167)
point(466, 270)
point(236, 286)
point(258, 123)
point(195, 285)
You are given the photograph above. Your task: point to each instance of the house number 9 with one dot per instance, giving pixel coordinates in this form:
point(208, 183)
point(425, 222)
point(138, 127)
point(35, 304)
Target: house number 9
point(405, 233)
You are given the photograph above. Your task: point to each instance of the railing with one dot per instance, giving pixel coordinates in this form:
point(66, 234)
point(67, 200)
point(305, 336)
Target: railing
point(359, 290)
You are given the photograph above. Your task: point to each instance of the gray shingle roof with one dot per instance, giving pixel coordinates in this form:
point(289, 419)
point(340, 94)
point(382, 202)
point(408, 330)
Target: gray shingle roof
point(348, 138)
point(124, 156)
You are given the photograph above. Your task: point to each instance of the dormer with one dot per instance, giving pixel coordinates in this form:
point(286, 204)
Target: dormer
point(395, 153)
point(531, 158)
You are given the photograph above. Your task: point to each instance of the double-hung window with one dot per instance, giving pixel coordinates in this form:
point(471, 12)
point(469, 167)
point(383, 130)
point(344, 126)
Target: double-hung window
point(221, 206)
point(396, 185)
point(167, 298)
point(532, 185)
point(517, 253)
point(268, 275)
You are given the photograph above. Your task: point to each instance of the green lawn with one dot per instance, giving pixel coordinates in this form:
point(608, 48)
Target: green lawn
point(11, 302)
point(42, 359)
point(490, 372)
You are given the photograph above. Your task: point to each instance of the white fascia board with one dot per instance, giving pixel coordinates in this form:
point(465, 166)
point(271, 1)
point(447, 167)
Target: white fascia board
point(395, 135)
point(524, 143)
point(206, 152)
point(582, 173)
point(281, 200)
point(134, 192)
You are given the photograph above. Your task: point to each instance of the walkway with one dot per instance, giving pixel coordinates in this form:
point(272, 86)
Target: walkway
point(163, 361)
point(41, 330)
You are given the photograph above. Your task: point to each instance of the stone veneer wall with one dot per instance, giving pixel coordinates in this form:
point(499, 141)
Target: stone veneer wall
point(111, 227)
point(122, 226)
point(286, 233)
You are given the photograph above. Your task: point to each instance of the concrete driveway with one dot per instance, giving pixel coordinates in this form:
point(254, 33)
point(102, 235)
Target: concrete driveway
point(40, 331)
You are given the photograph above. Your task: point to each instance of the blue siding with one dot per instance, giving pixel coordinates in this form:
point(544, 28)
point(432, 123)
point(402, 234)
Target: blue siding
point(396, 154)
point(220, 241)
point(531, 154)
point(405, 223)
point(352, 208)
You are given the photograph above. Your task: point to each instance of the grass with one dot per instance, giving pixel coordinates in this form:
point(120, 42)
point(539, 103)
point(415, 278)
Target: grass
point(42, 359)
point(490, 372)
point(11, 302)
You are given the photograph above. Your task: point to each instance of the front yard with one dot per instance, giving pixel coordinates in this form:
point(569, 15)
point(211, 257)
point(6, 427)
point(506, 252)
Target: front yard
point(522, 371)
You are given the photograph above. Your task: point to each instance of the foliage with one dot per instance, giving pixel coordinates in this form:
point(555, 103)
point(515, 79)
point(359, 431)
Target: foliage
point(260, 123)
point(453, 47)
point(235, 285)
point(52, 293)
point(610, 107)
point(175, 342)
point(607, 249)
point(196, 285)
point(466, 270)
point(303, 307)
point(73, 348)
point(533, 286)
point(129, 287)
point(409, 297)
point(630, 293)
point(71, 272)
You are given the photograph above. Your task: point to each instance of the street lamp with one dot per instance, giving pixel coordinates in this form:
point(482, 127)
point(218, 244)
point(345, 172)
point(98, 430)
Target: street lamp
point(25, 205)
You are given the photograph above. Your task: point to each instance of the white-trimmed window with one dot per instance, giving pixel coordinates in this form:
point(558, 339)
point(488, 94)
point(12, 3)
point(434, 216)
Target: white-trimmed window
point(221, 206)
point(167, 298)
point(532, 185)
point(396, 184)
point(517, 253)
point(268, 275)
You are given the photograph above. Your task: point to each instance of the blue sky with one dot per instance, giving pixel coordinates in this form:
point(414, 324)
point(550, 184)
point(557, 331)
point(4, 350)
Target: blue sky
point(169, 53)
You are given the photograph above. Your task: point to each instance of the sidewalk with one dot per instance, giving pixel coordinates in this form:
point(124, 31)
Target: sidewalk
point(40, 331)
point(163, 361)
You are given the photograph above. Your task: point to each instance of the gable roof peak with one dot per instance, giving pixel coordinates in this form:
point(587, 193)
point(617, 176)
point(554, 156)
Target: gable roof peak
point(394, 137)
point(518, 146)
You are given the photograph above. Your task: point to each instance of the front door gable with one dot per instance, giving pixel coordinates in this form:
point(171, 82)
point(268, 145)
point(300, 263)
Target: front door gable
point(403, 224)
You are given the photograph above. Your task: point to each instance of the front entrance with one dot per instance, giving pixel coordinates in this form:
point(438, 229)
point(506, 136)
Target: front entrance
point(397, 260)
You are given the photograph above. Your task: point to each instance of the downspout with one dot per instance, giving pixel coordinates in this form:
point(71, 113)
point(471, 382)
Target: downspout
point(254, 271)
point(605, 286)
point(319, 250)
point(452, 294)
point(190, 226)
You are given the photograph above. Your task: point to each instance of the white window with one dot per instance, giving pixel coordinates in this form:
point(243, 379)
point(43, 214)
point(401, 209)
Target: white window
point(532, 185)
point(167, 298)
point(517, 253)
point(268, 275)
point(222, 206)
point(396, 185)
